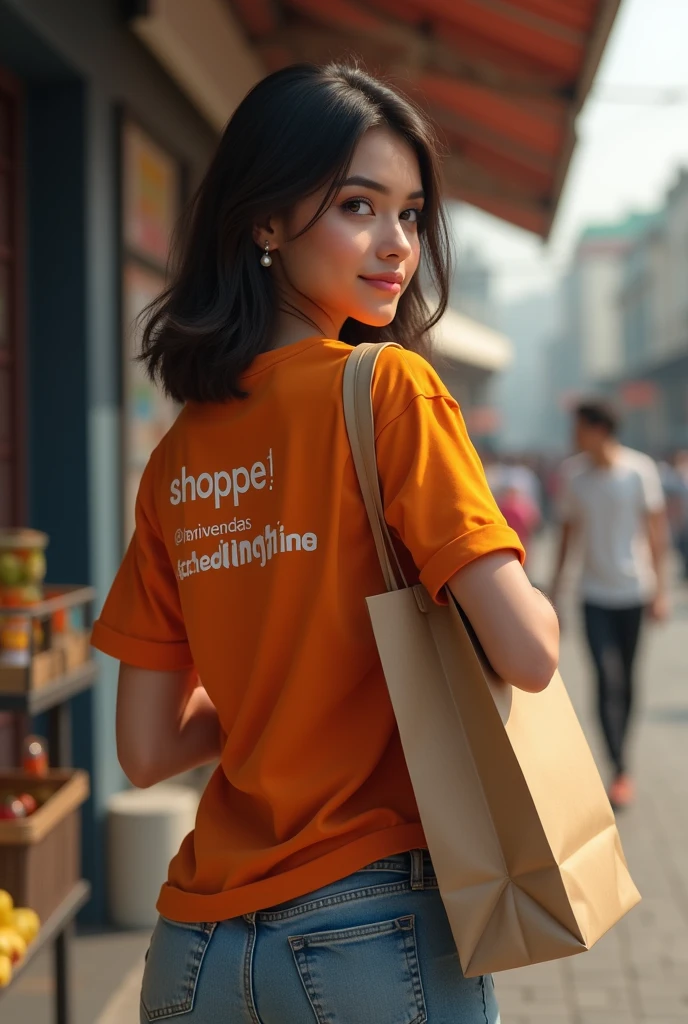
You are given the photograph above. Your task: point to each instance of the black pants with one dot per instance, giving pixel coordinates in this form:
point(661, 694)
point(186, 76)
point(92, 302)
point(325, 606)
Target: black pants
point(613, 640)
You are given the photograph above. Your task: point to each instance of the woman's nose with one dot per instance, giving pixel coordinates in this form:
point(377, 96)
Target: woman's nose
point(395, 243)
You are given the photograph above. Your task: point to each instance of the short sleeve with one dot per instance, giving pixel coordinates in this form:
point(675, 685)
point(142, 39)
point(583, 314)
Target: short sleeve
point(436, 496)
point(652, 489)
point(141, 622)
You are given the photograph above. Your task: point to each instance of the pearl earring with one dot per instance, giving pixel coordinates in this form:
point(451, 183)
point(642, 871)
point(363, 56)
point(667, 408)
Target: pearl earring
point(266, 258)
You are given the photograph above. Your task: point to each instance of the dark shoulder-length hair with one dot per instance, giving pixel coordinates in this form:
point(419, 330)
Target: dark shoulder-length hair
point(293, 134)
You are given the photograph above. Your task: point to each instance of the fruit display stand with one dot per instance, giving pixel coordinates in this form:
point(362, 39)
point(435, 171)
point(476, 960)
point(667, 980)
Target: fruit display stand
point(42, 861)
point(55, 930)
point(58, 667)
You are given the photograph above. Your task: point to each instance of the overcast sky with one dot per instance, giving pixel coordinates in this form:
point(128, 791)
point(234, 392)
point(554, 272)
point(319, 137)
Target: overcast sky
point(627, 155)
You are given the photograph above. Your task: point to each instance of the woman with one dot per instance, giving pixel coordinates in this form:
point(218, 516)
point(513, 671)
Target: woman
point(305, 892)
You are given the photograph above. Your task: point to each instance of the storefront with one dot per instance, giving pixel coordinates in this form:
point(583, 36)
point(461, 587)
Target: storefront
point(98, 148)
point(467, 354)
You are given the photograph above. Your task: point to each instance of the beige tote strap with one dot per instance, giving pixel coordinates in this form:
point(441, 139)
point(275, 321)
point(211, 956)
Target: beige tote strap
point(360, 426)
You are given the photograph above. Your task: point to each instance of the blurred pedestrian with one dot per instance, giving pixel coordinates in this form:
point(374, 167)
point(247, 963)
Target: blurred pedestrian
point(509, 471)
point(611, 500)
point(306, 886)
point(520, 512)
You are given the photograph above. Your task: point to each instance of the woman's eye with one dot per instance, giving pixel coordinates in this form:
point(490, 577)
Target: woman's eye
point(412, 215)
point(360, 206)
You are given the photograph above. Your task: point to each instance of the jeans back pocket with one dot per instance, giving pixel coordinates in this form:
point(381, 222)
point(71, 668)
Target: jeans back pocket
point(363, 974)
point(173, 965)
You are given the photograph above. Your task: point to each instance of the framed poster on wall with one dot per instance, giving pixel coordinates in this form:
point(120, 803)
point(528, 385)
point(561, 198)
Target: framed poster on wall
point(148, 413)
point(151, 194)
point(152, 182)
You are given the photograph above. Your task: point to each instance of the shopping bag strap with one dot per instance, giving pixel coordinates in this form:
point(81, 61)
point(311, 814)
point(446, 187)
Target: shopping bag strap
point(360, 426)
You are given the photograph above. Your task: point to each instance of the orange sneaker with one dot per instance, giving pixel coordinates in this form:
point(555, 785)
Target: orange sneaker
point(621, 792)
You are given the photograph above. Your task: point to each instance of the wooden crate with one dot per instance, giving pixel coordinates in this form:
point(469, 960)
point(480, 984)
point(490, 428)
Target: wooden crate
point(40, 856)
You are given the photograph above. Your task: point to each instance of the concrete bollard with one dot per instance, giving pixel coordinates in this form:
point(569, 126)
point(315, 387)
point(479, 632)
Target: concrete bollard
point(145, 830)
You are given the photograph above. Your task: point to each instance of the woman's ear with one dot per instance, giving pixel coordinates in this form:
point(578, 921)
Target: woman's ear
point(264, 232)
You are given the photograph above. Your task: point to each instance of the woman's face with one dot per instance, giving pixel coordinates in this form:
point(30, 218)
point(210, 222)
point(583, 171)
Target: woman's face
point(360, 256)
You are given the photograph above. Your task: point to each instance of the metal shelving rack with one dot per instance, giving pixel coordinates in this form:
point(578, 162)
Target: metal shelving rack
point(53, 698)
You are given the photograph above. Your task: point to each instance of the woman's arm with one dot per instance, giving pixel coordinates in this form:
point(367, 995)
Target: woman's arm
point(166, 724)
point(515, 624)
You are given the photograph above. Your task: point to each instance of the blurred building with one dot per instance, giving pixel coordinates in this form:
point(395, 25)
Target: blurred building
point(651, 386)
point(626, 317)
point(109, 111)
point(467, 354)
point(521, 392)
point(471, 288)
point(589, 349)
point(624, 328)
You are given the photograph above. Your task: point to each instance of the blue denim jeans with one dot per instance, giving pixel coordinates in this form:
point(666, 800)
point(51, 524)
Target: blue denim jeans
point(373, 948)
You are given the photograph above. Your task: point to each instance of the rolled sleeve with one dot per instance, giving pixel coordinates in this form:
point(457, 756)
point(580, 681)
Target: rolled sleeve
point(464, 550)
point(163, 657)
point(142, 622)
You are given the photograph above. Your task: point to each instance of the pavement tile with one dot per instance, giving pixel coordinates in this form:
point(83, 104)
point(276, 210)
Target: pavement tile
point(661, 1019)
point(509, 1017)
point(541, 1003)
point(602, 998)
point(603, 1017)
point(667, 1002)
point(539, 1014)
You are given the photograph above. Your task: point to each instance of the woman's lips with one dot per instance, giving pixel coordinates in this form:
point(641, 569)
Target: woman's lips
point(383, 285)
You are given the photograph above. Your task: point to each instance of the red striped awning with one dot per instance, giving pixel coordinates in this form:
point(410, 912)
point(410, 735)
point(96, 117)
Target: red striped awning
point(503, 79)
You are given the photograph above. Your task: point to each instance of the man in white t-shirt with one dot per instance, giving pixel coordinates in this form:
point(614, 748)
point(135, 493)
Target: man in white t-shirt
point(612, 501)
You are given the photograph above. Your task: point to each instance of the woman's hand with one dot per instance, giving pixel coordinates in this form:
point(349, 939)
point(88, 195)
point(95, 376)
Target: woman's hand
point(166, 724)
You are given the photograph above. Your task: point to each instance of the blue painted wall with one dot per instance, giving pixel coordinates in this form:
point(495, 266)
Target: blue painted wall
point(79, 63)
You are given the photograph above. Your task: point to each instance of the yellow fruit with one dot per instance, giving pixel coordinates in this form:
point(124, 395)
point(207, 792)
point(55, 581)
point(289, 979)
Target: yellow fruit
point(12, 945)
point(6, 909)
point(5, 971)
point(27, 923)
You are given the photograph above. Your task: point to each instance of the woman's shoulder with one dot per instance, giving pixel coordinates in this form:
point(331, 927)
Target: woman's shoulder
point(401, 376)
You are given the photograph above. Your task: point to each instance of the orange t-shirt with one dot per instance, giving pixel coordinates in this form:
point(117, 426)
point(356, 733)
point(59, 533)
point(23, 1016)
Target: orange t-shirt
point(251, 561)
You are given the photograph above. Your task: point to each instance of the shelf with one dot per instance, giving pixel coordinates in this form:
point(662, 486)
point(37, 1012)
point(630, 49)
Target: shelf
point(57, 599)
point(51, 928)
point(33, 702)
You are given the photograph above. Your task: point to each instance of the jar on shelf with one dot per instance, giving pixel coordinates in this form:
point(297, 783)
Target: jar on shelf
point(35, 756)
point(22, 572)
point(22, 566)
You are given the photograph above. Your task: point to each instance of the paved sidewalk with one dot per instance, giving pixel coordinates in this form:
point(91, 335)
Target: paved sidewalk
point(638, 974)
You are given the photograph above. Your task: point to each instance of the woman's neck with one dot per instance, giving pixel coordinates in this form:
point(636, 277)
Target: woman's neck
point(299, 319)
point(289, 332)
